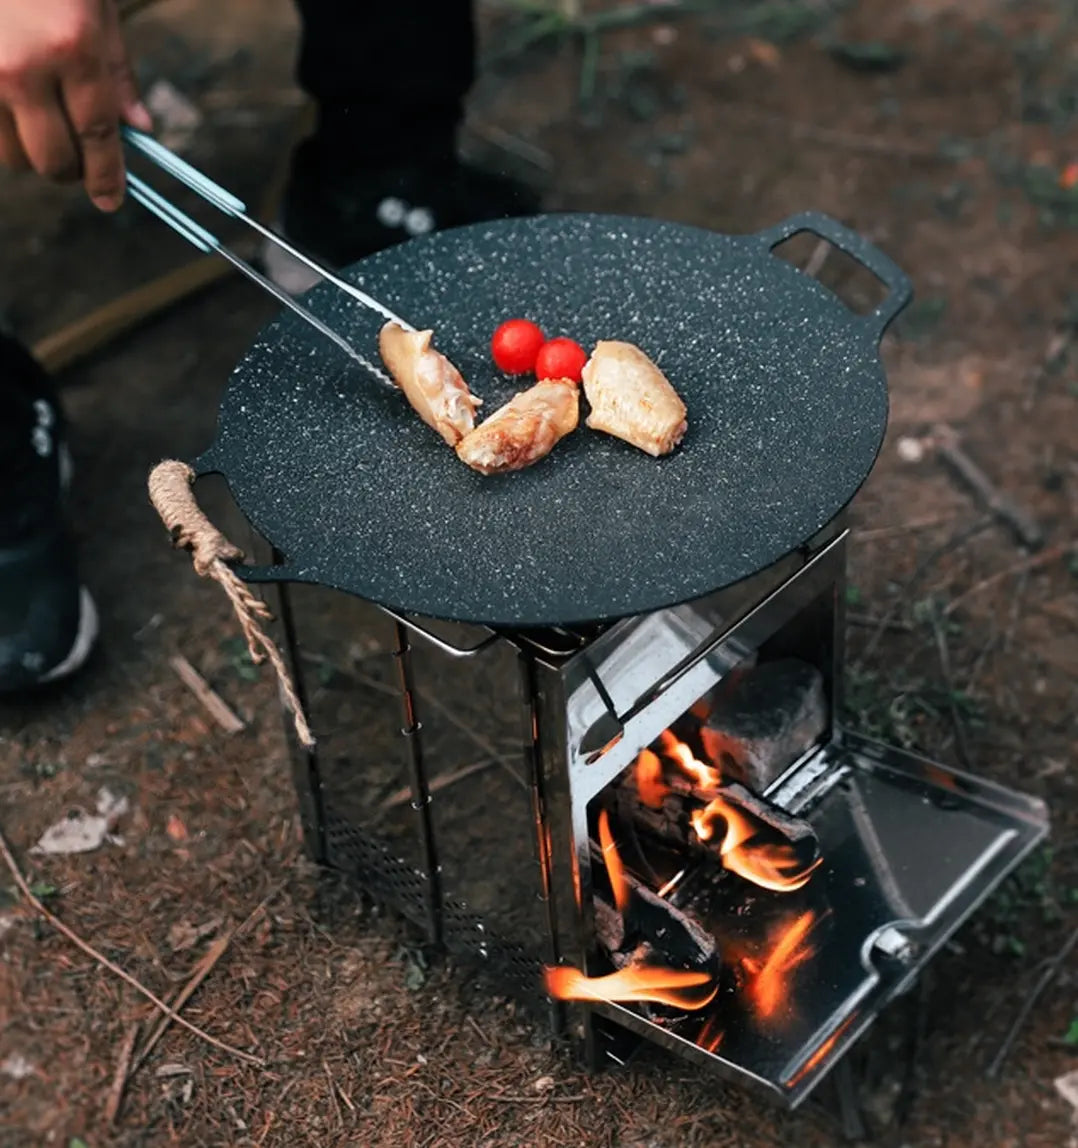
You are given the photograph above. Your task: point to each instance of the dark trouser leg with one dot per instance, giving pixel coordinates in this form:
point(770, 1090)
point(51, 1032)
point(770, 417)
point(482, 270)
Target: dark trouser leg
point(389, 77)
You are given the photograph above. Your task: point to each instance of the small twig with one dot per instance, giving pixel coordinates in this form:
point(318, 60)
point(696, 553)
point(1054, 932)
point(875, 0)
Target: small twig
point(1045, 979)
point(1054, 359)
point(507, 1098)
point(1055, 610)
point(126, 977)
point(1026, 529)
point(210, 701)
point(817, 259)
point(902, 528)
point(868, 621)
point(482, 1035)
point(480, 740)
point(120, 1078)
point(961, 742)
point(926, 564)
point(333, 1096)
point(202, 970)
point(442, 781)
point(832, 137)
point(1045, 558)
point(500, 138)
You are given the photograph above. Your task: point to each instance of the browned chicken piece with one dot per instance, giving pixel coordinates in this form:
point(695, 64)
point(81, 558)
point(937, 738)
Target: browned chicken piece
point(631, 398)
point(429, 380)
point(525, 430)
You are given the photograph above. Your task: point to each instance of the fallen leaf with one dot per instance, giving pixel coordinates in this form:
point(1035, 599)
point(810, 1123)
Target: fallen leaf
point(16, 1066)
point(183, 935)
point(763, 52)
point(544, 1084)
point(1067, 1087)
point(176, 828)
point(110, 806)
point(78, 832)
point(82, 832)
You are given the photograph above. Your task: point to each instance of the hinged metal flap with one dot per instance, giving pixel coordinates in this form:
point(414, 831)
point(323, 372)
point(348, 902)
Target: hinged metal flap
point(910, 849)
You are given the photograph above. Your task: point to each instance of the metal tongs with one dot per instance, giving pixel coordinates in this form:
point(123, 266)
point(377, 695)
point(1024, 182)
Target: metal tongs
point(235, 208)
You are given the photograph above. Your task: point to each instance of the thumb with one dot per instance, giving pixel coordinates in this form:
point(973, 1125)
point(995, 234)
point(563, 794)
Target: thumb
point(132, 109)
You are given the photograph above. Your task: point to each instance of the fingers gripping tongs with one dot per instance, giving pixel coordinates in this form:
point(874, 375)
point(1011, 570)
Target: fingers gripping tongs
point(235, 208)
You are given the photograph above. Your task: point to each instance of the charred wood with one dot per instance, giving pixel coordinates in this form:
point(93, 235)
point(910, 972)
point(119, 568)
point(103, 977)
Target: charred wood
point(651, 931)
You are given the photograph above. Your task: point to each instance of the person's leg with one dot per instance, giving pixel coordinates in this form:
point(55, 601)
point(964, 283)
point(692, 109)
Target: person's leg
point(47, 620)
point(389, 80)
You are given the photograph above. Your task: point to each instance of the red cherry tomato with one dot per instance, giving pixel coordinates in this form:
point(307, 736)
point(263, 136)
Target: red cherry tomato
point(515, 345)
point(560, 359)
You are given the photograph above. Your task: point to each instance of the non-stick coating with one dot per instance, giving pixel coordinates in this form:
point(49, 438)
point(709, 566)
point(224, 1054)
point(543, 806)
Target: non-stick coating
point(787, 407)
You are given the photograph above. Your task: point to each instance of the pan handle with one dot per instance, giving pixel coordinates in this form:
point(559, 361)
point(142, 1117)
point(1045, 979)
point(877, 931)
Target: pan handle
point(207, 463)
point(897, 282)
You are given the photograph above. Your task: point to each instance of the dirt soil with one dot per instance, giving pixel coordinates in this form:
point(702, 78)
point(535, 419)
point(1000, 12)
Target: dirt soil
point(941, 129)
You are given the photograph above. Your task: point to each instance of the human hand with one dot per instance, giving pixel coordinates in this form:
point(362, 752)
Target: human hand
point(65, 86)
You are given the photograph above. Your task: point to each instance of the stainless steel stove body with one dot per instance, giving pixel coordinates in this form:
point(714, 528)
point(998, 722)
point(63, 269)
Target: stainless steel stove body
point(463, 777)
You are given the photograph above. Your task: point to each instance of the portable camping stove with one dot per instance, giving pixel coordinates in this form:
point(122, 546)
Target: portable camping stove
point(613, 772)
point(485, 828)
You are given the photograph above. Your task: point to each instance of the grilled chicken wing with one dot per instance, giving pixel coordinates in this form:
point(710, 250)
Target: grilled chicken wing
point(525, 430)
point(631, 399)
point(429, 380)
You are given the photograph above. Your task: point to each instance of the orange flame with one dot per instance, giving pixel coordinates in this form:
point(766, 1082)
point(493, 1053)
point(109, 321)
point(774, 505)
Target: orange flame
point(649, 779)
point(703, 775)
point(635, 983)
point(775, 867)
point(770, 985)
point(613, 864)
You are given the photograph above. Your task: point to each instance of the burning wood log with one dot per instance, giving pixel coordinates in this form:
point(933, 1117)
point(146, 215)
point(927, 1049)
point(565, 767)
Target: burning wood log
point(672, 821)
point(651, 930)
point(729, 823)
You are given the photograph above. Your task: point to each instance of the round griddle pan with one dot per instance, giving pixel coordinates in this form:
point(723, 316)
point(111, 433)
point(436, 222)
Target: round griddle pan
point(786, 397)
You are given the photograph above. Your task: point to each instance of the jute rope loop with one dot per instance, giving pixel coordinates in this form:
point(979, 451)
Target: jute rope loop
point(172, 497)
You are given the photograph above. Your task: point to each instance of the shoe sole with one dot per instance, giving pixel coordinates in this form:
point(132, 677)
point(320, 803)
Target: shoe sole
point(85, 637)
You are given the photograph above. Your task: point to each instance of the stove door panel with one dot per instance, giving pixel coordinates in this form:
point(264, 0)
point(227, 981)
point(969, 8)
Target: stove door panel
point(910, 849)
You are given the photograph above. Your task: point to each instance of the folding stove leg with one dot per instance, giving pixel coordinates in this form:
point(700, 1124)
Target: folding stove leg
point(849, 1102)
point(421, 798)
point(306, 771)
point(540, 814)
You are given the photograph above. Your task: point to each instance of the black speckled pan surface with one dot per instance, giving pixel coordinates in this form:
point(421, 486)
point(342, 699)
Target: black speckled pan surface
point(786, 396)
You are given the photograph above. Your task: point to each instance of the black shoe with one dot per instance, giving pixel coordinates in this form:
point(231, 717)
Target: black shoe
point(47, 619)
point(337, 217)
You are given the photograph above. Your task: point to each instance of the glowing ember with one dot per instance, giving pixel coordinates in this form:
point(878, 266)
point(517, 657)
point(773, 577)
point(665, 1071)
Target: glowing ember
point(649, 779)
point(613, 864)
point(635, 983)
point(769, 988)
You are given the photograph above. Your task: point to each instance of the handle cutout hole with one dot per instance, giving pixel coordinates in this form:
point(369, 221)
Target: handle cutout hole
point(851, 281)
point(220, 507)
